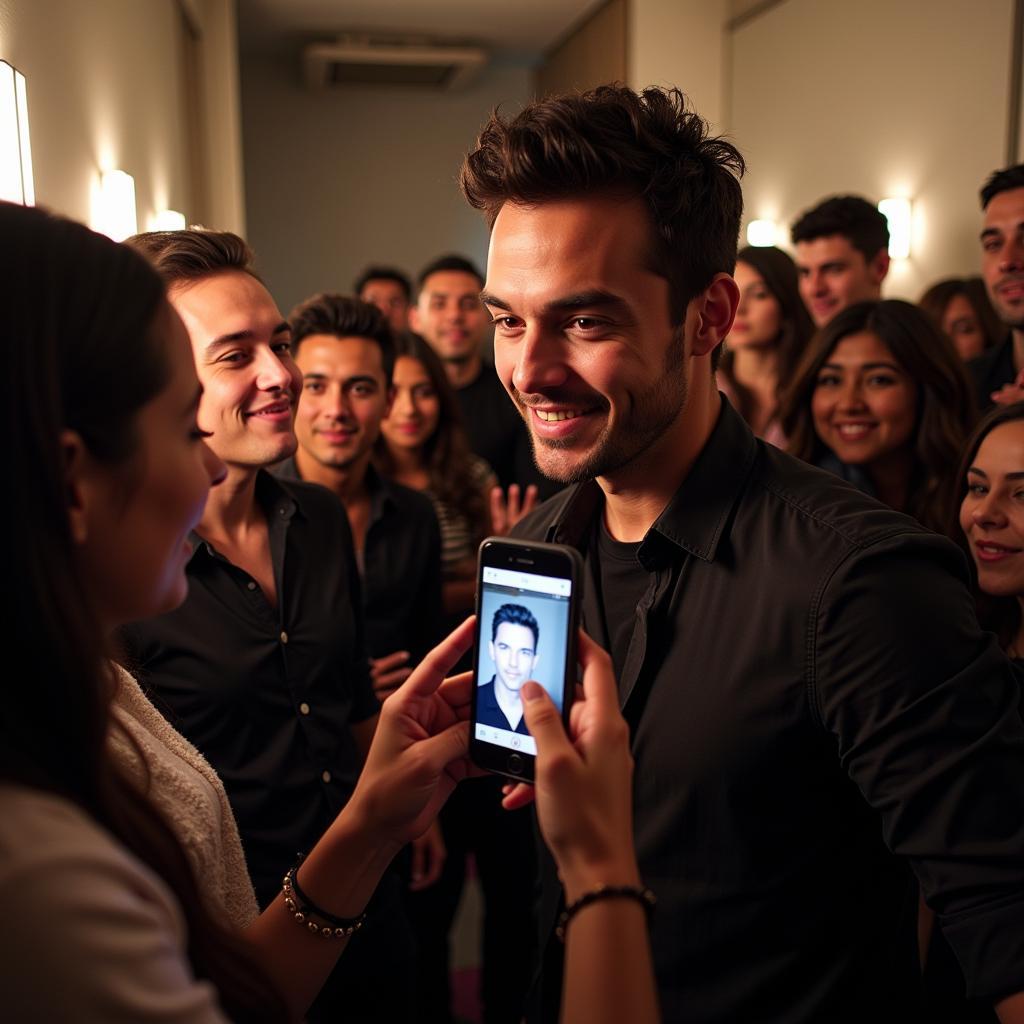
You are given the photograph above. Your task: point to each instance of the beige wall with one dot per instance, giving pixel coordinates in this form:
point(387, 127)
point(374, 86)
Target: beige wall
point(681, 43)
point(882, 99)
point(594, 53)
point(342, 178)
point(106, 89)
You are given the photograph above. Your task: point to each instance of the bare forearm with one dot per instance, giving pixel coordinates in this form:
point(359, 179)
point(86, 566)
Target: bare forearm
point(608, 972)
point(339, 875)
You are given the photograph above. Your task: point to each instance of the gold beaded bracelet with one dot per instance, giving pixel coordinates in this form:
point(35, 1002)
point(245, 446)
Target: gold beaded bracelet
point(300, 906)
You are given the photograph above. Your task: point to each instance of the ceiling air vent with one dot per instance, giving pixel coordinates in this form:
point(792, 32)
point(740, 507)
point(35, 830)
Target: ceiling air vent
point(379, 60)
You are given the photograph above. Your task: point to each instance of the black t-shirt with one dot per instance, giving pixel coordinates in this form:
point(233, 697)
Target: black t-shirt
point(990, 371)
point(622, 581)
point(498, 435)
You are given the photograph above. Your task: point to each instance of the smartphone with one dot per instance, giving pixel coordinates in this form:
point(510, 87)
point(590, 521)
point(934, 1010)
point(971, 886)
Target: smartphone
point(527, 618)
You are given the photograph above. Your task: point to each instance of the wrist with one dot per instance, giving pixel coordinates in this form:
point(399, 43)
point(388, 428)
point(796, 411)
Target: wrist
point(344, 868)
point(581, 878)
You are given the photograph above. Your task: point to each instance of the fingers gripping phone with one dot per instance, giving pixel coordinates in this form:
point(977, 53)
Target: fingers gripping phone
point(527, 618)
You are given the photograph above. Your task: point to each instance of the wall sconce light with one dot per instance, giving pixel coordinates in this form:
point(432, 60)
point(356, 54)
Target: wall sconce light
point(115, 214)
point(898, 213)
point(762, 232)
point(167, 220)
point(16, 184)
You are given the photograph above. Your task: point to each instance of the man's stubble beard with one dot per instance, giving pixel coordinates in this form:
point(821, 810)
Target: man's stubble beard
point(652, 414)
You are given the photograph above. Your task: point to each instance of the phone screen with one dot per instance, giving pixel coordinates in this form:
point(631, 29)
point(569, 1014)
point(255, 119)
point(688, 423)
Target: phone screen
point(524, 634)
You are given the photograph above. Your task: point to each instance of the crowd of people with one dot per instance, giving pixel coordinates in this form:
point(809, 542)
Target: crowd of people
point(243, 557)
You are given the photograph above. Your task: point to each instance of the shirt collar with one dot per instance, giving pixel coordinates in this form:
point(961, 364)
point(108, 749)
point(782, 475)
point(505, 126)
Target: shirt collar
point(273, 497)
point(695, 518)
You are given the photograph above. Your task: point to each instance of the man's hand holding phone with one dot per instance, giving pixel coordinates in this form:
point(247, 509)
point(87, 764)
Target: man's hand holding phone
point(584, 779)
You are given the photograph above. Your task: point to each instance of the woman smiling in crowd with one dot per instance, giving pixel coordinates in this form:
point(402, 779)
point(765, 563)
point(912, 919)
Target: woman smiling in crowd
point(768, 336)
point(990, 516)
point(881, 399)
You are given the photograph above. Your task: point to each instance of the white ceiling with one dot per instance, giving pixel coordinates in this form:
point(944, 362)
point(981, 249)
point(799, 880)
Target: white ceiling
point(520, 27)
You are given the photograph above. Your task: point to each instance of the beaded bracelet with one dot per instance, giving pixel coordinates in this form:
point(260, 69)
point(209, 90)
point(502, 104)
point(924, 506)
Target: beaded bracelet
point(301, 906)
point(643, 896)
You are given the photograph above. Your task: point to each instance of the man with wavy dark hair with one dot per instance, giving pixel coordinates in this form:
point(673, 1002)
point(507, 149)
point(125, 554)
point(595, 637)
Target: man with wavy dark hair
point(790, 654)
point(842, 255)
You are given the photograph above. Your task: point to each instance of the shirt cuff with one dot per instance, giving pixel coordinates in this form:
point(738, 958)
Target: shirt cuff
point(990, 948)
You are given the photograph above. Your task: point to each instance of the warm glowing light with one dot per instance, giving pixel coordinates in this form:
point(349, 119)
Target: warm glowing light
point(115, 214)
point(899, 214)
point(167, 220)
point(16, 184)
point(762, 232)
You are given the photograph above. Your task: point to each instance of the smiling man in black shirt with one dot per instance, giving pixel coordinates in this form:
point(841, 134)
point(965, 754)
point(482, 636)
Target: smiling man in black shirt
point(264, 667)
point(814, 710)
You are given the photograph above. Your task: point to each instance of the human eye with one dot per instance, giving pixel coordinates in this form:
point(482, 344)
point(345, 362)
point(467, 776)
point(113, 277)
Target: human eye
point(198, 434)
point(424, 391)
point(976, 489)
point(235, 357)
point(991, 244)
point(363, 389)
point(881, 380)
point(827, 380)
point(505, 322)
point(314, 387)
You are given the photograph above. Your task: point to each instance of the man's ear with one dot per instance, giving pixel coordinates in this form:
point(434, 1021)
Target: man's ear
point(414, 318)
point(716, 308)
point(76, 483)
point(879, 266)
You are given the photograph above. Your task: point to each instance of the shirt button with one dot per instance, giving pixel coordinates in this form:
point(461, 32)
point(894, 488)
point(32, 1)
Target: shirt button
point(304, 708)
point(326, 776)
point(284, 637)
point(251, 584)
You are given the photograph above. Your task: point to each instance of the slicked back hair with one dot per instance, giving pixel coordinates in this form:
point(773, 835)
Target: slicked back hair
point(342, 317)
point(189, 255)
point(613, 140)
point(1002, 181)
point(851, 217)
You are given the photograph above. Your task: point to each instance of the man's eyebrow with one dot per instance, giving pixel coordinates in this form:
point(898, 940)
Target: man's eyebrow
point(595, 298)
point(989, 233)
point(236, 336)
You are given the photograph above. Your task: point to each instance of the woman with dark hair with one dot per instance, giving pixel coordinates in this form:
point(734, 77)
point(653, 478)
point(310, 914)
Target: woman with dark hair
point(768, 336)
point(423, 446)
point(988, 520)
point(881, 399)
point(960, 307)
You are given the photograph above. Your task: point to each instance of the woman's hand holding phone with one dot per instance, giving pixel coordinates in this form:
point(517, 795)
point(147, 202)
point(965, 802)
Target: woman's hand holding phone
point(421, 747)
point(584, 780)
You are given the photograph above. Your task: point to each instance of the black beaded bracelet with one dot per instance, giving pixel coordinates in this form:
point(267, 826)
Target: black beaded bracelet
point(301, 906)
point(641, 895)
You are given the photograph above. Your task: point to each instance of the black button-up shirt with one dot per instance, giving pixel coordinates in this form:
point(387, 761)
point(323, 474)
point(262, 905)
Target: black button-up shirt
point(808, 690)
point(401, 571)
point(267, 694)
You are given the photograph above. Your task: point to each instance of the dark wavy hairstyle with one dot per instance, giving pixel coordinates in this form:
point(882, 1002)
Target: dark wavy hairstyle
point(613, 140)
point(515, 615)
point(937, 298)
point(853, 217)
point(945, 405)
point(340, 316)
point(779, 273)
point(1001, 615)
point(1006, 180)
point(447, 456)
point(83, 353)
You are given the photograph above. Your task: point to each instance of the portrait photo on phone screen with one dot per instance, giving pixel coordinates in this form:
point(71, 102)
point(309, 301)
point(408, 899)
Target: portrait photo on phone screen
point(523, 636)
